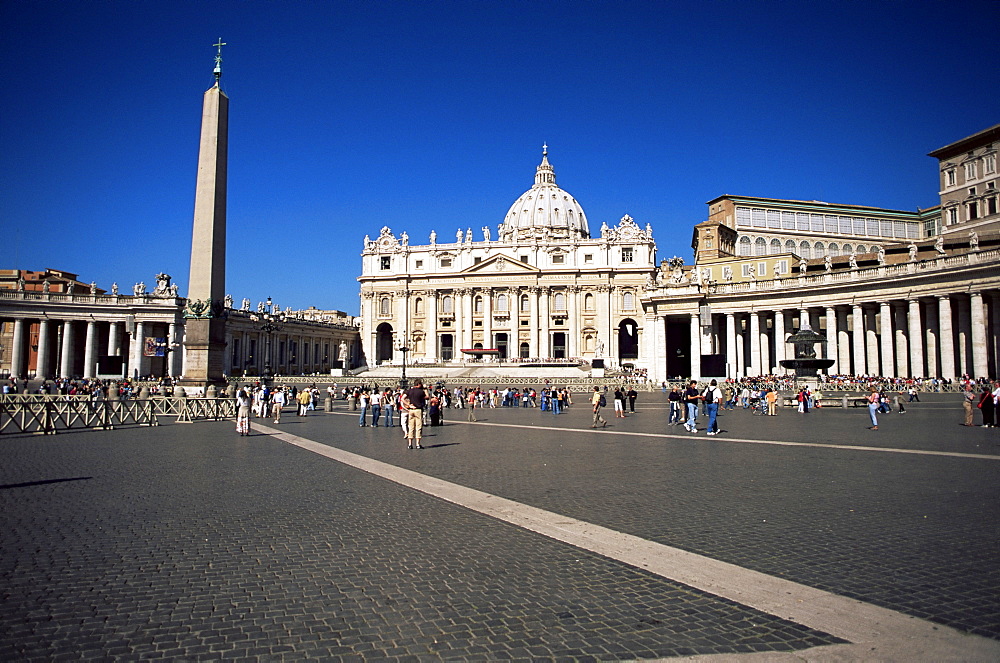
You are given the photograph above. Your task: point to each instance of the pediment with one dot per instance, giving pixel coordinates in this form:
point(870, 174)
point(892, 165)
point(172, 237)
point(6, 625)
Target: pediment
point(500, 264)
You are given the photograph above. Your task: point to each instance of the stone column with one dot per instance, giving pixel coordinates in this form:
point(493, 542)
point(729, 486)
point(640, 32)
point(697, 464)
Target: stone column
point(695, 346)
point(858, 324)
point(658, 357)
point(544, 339)
point(885, 313)
point(932, 333)
point(916, 344)
point(90, 351)
point(780, 346)
point(17, 363)
point(431, 342)
point(68, 343)
point(947, 338)
point(872, 340)
point(573, 333)
point(176, 357)
point(994, 335)
point(488, 319)
point(765, 344)
point(400, 326)
point(843, 342)
point(535, 323)
point(135, 361)
point(467, 323)
point(979, 354)
point(741, 347)
point(964, 338)
point(803, 318)
point(754, 344)
point(831, 340)
point(902, 346)
point(731, 345)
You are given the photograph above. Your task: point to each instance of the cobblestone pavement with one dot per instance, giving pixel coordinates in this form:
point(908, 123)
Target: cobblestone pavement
point(187, 541)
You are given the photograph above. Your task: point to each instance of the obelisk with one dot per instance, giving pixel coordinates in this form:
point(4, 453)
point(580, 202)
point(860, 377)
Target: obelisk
point(205, 333)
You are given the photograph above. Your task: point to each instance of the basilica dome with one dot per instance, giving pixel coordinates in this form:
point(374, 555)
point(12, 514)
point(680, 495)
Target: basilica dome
point(545, 211)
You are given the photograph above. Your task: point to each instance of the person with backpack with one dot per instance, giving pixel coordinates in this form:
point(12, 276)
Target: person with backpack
point(598, 402)
point(712, 397)
point(691, 398)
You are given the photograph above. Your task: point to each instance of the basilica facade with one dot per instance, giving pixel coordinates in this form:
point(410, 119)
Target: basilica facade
point(544, 290)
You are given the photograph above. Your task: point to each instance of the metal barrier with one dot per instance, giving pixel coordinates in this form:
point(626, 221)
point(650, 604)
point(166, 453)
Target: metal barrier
point(48, 415)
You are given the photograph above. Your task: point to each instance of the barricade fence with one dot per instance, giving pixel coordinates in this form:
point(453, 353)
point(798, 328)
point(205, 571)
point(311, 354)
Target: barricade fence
point(51, 414)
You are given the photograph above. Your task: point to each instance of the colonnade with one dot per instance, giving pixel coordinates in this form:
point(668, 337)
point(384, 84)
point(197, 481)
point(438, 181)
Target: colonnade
point(68, 347)
point(290, 351)
point(944, 335)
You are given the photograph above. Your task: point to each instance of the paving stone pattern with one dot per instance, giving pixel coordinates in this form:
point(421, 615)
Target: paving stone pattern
point(917, 534)
point(189, 542)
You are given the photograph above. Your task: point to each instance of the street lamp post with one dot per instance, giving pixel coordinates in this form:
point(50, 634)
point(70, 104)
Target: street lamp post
point(269, 324)
point(404, 347)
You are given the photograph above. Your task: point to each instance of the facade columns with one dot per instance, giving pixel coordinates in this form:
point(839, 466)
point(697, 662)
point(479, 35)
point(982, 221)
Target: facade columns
point(964, 338)
point(659, 340)
point(916, 342)
point(980, 364)
point(780, 347)
point(135, 361)
point(731, 346)
point(544, 340)
point(932, 338)
point(68, 343)
point(90, 351)
point(175, 357)
point(765, 344)
point(831, 340)
point(858, 323)
point(754, 344)
point(573, 309)
point(488, 319)
point(534, 323)
point(695, 345)
point(843, 342)
point(885, 313)
point(17, 364)
point(431, 339)
point(947, 338)
point(466, 298)
point(43, 369)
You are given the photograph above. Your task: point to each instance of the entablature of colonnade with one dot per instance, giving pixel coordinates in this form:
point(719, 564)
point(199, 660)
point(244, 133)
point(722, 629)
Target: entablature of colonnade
point(928, 278)
point(84, 307)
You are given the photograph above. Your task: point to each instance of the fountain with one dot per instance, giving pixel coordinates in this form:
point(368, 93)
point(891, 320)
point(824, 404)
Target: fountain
point(805, 363)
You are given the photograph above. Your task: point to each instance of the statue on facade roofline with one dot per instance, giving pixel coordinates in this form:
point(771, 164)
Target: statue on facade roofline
point(973, 241)
point(46, 286)
point(246, 304)
point(228, 301)
point(486, 233)
point(727, 272)
point(913, 252)
point(939, 245)
point(434, 237)
point(162, 285)
point(828, 263)
point(802, 266)
point(93, 287)
point(458, 236)
point(405, 239)
point(881, 256)
point(114, 288)
point(854, 261)
point(468, 235)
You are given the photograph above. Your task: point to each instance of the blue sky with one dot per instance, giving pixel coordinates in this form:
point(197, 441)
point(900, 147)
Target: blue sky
point(346, 117)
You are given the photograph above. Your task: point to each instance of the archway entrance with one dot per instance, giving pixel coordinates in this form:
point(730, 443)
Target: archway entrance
point(559, 345)
point(525, 351)
point(628, 339)
point(502, 345)
point(447, 347)
point(383, 343)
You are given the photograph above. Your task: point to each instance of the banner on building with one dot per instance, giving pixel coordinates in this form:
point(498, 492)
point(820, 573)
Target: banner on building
point(154, 347)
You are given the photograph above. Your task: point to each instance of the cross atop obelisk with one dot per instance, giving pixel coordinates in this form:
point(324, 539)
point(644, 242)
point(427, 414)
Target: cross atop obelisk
point(205, 334)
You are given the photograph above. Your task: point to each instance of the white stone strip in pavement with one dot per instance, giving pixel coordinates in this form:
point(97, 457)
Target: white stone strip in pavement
point(875, 633)
point(726, 438)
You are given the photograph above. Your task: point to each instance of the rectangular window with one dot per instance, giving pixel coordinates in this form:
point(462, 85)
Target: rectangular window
point(952, 216)
point(742, 216)
point(780, 267)
point(991, 206)
point(446, 323)
point(627, 254)
point(762, 269)
point(746, 269)
point(758, 218)
point(816, 223)
point(949, 177)
point(973, 211)
point(588, 258)
point(970, 171)
point(385, 262)
point(845, 225)
point(523, 259)
point(420, 264)
point(477, 323)
point(801, 221)
point(558, 260)
point(788, 220)
point(524, 323)
point(773, 219)
point(831, 223)
point(990, 164)
point(476, 260)
point(872, 228)
point(446, 262)
point(557, 321)
point(858, 225)
point(885, 228)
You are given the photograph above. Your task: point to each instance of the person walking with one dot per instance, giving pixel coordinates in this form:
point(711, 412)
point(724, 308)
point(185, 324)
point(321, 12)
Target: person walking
point(632, 395)
point(376, 405)
point(471, 400)
point(772, 402)
point(968, 398)
point(598, 401)
point(389, 406)
point(242, 412)
point(986, 406)
point(712, 397)
point(414, 401)
point(899, 403)
point(305, 398)
point(619, 403)
point(874, 402)
point(691, 398)
point(277, 403)
point(675, 406)
point(363, 406)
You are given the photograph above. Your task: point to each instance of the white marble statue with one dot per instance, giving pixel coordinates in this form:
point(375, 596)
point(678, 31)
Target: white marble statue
point(727, 273)
point(486, 233)
point(458, 236)
point(114, 288)
point(913, 252)
point(802, 266)
point(939, 245)
point(343, 351)
point(468, 235)
point(973, 241)
point(434, 237)
point(93, 287)
point(752, 271)
point(46, 286)
point(854, 261)
point(881, 256)
point(828, 263)
point(405, 239)
point(246, 304)
point(599, 349)
point(229, 301)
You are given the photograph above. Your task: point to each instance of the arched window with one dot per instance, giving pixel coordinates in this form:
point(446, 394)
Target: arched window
point(477, 304)
point(775, 246)
point(790, 247)
point(385, 306)
point(588, 302)
point(848, 250)
point(804, 250)
point(760, 247)
point(628, 301)
point(559, 302)
point(819, 249)
point(448, 304)
point(418, 306)
point(834, 249)
point(861, 249)
point(525, 304)
point(744, 246)
point(502, 303)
